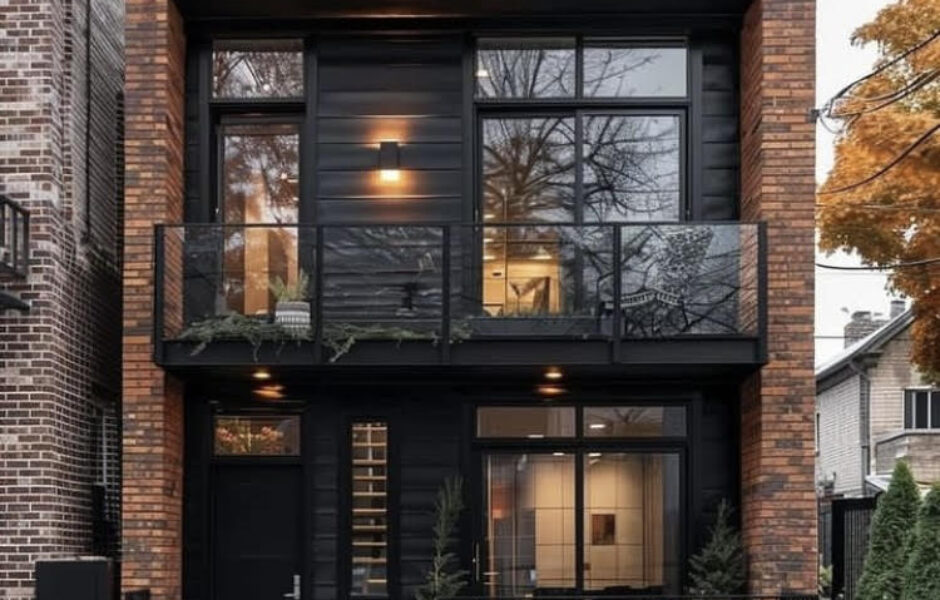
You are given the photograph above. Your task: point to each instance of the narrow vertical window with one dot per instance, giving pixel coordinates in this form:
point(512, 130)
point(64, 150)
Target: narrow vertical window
point(369, 534)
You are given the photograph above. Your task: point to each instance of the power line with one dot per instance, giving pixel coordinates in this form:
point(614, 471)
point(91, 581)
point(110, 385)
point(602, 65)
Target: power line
point(902, 265)
point(894, 162)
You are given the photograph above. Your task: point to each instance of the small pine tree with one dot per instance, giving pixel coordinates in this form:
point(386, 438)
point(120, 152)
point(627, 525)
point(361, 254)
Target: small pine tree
point(922, 573)
point(719, 568)
point(889, 538)
point(444, 580)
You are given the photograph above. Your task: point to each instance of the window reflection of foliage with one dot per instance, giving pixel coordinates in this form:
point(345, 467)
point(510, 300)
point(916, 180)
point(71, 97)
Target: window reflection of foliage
point(631, 168)
point(528, 169)
point(250, 436)
point(525, 68)
point(257, 69)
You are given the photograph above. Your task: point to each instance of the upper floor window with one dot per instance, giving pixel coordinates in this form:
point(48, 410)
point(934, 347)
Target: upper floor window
point(921, 409)
point(556, 68)
point(253, 69)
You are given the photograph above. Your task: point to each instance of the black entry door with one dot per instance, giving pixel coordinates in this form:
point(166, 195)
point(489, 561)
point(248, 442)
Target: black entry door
point(257, 531)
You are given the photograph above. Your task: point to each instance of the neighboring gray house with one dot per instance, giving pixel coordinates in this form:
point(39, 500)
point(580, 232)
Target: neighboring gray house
point(873, 408)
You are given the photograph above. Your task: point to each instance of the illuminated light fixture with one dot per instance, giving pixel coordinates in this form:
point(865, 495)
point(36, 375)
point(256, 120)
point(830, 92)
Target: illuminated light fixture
point(594, 455)
point(551, 390)
point(542, 254)
point(483, 73)
point(489, 257)
point(535, 436)
point(558, 453)
point(389, 162)
point(488, 240)
point(270, 392)
point(553, 374)
point(266, 87)
point(598, 425)
point(261, 374)
point(488, 216)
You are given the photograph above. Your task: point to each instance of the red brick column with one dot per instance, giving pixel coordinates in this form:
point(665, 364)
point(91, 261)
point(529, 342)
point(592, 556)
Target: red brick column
point(153, 416)
point(777, 153)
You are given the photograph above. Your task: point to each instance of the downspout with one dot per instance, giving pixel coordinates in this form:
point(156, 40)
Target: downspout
point(86, 234)
point(864, 401)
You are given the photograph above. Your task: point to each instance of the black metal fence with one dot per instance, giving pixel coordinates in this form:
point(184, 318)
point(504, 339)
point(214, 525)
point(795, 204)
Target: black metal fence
point(848, 521)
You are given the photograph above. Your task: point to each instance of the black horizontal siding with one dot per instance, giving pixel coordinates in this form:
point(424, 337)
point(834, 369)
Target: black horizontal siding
point(370, 90)
point(720, 151)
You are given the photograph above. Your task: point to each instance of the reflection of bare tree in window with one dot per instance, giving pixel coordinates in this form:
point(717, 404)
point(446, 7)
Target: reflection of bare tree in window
point(631, 168)
point(680, 279)
point(528, 169)
point(257, 69)
point(260, 172)
point(618, 71)
point(532, 68)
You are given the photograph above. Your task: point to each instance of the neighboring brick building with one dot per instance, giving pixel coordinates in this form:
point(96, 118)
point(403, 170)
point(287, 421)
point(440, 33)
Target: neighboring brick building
point(873, 409)
point(60, 160)
point(655, 339)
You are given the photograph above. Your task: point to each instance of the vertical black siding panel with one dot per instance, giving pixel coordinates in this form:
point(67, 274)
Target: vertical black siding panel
point(721, 158)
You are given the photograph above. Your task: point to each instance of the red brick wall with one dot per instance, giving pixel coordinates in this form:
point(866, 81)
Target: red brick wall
point(153, 416)
point(59, 363)
point(777, 147)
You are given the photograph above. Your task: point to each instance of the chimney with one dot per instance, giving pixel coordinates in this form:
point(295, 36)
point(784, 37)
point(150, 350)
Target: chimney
point(860, 326)
point(897, 307)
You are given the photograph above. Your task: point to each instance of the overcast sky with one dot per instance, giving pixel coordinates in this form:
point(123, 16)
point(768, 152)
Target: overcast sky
point(838, 63)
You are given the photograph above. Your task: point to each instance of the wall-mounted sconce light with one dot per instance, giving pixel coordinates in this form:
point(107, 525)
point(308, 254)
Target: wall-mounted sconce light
point(389, 162)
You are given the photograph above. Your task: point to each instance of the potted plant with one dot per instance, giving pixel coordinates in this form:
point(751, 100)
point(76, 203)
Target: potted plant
point(292, 310)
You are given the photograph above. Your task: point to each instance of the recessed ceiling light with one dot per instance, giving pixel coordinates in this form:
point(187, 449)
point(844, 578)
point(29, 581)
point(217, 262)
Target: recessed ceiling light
point(261, 374)
point(594, 455)
point(558, 453)
point(551, 390)
point(553, 374)
point(598, 425)
point(535, 436)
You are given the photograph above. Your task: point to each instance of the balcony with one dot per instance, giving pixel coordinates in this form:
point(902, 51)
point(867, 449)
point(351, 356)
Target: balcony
point(14, 249)
point(471, 295)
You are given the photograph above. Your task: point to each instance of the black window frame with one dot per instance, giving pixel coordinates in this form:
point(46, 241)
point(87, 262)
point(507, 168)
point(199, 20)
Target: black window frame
point(580, 446)
point(911, 414)
point(577, 106)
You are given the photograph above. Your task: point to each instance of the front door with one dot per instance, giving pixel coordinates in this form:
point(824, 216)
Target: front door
point(257, 525)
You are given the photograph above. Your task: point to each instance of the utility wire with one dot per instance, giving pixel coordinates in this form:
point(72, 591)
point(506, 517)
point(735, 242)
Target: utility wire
point(897, 159)
point(913, 263)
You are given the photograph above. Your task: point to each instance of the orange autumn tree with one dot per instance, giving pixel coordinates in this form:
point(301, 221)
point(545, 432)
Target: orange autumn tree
point(882, 197)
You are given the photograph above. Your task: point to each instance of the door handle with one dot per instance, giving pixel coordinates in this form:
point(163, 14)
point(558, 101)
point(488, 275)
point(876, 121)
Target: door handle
point(476, 562)
point(294, 595)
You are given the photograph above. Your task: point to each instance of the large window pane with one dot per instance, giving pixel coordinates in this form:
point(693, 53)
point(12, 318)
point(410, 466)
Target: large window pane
point(631, 168)
point(257, 436)
point(525, 421)
point(935, 410)
point(369, 575)
point(528, 169)
point(631, 521)
point(529, 525)
point(634, 421)
point(525, 68)
point(260, 176)
point(257, 69)
point(619, 69)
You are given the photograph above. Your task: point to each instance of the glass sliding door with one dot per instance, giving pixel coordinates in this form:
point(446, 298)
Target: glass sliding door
point(631, 523)
point(529, 524)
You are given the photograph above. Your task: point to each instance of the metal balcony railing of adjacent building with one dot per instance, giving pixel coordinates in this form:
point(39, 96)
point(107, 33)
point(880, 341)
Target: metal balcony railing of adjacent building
point(461, 294)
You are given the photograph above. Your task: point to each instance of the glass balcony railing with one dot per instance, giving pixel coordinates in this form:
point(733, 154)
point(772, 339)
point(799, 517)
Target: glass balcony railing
point(334, 285)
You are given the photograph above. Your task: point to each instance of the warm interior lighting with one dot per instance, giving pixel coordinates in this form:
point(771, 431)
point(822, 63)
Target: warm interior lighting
point(389, 162)
point(594, 455)
point(551, 390)
point(558, 453)
point(535, 436)
point(482, 73)
point(553, 374)
point(598, 425)
point(261, 374)
point(489, 257)
point(542, 254)
point(489, 216)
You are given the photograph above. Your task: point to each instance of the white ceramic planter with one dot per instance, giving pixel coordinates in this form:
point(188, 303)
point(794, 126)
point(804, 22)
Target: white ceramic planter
point(293, 316)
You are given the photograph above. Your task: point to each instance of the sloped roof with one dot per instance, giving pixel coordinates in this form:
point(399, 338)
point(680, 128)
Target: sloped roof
point(873, 342)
